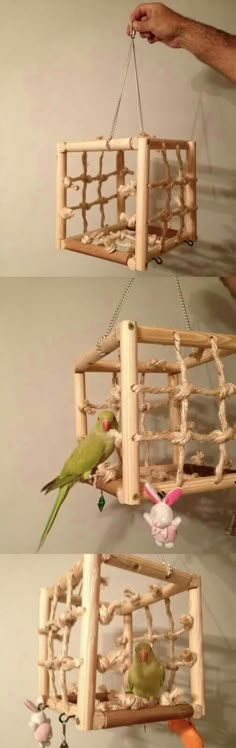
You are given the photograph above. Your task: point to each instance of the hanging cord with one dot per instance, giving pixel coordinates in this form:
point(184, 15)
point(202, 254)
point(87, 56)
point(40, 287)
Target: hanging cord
point(116, 313)
point(131, 53)
point(168, 567)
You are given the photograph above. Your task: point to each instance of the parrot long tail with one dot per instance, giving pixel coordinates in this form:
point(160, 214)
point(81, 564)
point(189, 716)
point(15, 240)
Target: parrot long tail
point(59, 501)
point(51, 485)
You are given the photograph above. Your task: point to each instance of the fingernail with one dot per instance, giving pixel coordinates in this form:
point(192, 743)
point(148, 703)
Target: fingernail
point(135, 25)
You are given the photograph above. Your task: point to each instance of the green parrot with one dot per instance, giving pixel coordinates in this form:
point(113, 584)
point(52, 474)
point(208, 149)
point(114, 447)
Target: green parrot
point(146, 675)
point(96, 447)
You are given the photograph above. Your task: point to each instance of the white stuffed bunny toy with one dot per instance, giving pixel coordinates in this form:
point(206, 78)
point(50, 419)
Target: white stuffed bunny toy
point(40, 725)
point(161, 519)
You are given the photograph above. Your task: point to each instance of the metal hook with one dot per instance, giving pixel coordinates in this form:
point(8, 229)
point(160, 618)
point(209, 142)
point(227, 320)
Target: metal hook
point(133, 33)
point(158, 260)
point(189, 242)
point(63, 719)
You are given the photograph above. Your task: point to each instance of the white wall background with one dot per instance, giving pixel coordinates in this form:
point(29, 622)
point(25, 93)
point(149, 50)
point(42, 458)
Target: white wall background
point(46, 324)
point(21, 578)
point(62, 65)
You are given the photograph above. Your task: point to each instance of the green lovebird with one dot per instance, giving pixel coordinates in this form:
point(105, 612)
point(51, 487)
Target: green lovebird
point(146, 675)
point(96, 447)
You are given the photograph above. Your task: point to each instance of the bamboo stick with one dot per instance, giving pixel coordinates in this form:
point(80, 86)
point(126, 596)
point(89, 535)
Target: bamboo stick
point(159, 713)
point(44, 615)
point(109, 344)
point(165, 367)
point(142, 194)
point(88, 642)
point(157, 144)
point(116, 144)
point(190, 193)
point(129, 413)
point(147, 568)
point(61, 197)
point(80, 397)
point(120, 164)
point(128, 633)
point(196, 646)
point(164, 336)
point(94, 250)
point(61, 584)
point(174, 411)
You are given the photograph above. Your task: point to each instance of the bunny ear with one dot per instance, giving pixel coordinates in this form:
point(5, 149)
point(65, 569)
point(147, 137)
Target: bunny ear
point(29, 704)
point(151, 493)
point(173, 496)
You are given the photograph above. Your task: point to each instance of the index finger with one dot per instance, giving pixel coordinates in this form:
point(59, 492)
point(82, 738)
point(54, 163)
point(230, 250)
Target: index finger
point(139, 13)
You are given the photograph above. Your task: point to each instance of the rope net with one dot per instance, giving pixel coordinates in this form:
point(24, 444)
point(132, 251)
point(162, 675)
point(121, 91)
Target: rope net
point(185, 438)
point(62, 665)
point(116, 230)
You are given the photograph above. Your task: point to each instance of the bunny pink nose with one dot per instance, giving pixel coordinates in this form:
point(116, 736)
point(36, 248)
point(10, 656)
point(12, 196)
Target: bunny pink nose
point(106, 425)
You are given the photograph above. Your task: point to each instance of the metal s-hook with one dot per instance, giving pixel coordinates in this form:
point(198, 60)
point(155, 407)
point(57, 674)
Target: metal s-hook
point(63, 719)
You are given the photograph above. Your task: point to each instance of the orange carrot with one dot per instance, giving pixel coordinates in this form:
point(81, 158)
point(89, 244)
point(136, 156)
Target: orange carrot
point(189, 736)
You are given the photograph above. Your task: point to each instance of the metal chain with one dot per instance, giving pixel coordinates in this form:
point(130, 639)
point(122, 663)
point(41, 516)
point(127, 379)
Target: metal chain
point(130, 54)
point(116, 313)
point(167, 566)
point(183, 305)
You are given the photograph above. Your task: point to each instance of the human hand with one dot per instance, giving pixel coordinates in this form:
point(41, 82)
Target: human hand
point(157, 23)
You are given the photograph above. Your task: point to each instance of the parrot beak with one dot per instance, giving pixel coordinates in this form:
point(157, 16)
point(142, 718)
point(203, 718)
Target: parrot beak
point(106, 425)
point(143, 654)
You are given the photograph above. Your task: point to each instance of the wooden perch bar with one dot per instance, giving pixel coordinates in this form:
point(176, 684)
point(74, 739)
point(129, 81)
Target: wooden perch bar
point(143, 565)
point(189, 486)
point(128, 634)
point(169, 144)
point(95, 250)
point(159, 713)
point(166, 591)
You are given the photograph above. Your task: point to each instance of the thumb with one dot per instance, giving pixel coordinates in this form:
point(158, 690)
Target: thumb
point(142, 26)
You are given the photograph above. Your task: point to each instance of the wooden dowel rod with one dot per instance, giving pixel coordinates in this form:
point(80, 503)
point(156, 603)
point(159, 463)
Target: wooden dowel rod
point(122, 717)
point(196, 646)
point(116, 144)
point(167, 367)
point(129, 411)
point(88, 640)
point(168, 590)
point(119, 257)
point(174, 410)
point(44, 615)
point(169, 244)
point(190, 219)
point(120, 164)
point(142, 194)
point(144, 566)
point(164, 336)
point(61, 198)
point(170, 144)
point(108, 345)
point(80, 397)
point(77, 574)
point(128, 633)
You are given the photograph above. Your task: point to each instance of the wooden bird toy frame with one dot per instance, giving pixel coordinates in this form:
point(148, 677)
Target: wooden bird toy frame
point(163, 213)
point(75, 602)
point(128, 398)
